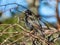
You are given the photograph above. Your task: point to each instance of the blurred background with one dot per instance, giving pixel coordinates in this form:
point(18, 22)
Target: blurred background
point(45, 8)
point(29, 22)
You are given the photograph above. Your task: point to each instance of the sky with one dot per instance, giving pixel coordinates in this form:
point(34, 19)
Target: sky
point(7, 14)
point(44, 10)
point(49, 10)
